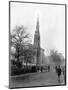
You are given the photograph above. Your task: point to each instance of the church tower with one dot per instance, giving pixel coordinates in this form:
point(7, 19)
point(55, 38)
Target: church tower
point(37, 43)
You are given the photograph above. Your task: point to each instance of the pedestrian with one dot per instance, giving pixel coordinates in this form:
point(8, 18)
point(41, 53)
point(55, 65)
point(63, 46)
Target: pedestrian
point(48, 68)
point(58, 71)
point(63, 71)
point(41, 69)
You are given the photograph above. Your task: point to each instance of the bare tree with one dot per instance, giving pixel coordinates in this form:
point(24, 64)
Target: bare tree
point(57, 57)
point(29, 53)
point(19, 38)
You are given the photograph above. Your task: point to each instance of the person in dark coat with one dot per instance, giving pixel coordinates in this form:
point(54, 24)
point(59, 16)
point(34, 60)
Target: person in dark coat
point(48, 68)
point(41, 69)
point(63, 72)
point(58, 71)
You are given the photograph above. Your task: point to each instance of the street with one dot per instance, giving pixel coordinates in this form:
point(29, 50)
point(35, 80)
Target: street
point(35, 79)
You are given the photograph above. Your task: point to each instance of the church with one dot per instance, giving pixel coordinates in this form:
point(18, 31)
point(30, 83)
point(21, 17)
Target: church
point(39, 52)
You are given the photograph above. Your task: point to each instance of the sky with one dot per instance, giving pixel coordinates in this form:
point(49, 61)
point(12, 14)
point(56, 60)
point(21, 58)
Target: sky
point(51, 23)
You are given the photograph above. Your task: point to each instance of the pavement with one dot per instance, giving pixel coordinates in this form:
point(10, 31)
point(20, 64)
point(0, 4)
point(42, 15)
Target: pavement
point(35, 79)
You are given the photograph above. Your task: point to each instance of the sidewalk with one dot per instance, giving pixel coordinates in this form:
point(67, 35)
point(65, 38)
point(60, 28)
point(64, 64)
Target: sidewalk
point(27, 74)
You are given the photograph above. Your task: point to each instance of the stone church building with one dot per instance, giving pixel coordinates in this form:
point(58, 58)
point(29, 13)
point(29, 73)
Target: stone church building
point(38, 58)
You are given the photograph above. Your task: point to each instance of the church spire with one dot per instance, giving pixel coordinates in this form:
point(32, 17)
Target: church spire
point(37, 26)
point(37, 35)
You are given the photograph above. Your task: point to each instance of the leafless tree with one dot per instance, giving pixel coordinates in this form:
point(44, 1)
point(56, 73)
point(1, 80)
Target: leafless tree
point(57, 57)
point(19, 38)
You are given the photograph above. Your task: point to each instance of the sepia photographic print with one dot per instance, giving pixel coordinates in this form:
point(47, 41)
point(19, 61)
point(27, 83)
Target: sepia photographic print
point(37, 44)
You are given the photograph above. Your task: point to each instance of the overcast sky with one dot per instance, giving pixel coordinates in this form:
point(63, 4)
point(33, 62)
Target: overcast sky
point(51, 21)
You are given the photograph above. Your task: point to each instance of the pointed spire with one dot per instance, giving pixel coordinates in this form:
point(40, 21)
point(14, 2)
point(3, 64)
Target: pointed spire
point(37, 34)
point(37, 26)
point(37, 20)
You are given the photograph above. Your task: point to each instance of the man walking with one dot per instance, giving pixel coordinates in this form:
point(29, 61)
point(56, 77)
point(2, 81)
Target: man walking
point(58, 71)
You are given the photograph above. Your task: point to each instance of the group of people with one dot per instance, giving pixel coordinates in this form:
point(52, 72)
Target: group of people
point(60, 70)
point(43, 68)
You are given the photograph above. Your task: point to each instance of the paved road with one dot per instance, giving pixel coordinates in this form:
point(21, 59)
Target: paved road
point(35, 79)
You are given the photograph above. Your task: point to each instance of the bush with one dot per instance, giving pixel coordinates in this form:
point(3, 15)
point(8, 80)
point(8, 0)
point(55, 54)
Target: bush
point(26, 69)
